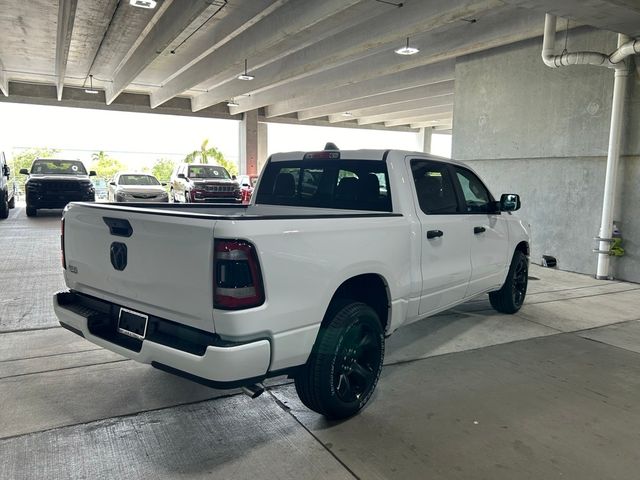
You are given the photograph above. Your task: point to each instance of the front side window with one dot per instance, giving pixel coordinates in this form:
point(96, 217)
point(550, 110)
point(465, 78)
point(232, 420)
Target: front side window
point(434, 187)
point(207, 171)
point(344, 184)
point(58, 167)
point(476, 196)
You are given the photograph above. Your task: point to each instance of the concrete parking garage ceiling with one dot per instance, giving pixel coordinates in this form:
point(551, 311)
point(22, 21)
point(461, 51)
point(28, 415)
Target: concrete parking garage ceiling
point(331, 61)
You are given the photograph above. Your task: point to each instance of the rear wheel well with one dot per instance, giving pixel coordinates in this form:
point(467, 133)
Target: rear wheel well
point(370, 289)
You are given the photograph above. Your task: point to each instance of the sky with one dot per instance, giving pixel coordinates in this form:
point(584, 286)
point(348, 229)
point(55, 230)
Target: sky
point(140, 138)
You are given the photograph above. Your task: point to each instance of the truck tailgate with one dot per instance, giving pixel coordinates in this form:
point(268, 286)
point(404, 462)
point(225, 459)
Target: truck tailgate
point(168, 268)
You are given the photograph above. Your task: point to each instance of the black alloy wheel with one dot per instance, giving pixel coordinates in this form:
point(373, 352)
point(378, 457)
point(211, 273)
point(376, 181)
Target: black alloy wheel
point(345, 364)
point(520, 281)
point(510, 297)
point(357, 363)
point(4, 205)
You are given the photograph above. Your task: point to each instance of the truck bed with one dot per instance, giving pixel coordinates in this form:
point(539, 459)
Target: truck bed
point(233, 211)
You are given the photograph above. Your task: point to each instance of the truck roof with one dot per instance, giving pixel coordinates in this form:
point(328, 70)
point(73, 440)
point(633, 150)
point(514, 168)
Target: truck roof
point(365, 154)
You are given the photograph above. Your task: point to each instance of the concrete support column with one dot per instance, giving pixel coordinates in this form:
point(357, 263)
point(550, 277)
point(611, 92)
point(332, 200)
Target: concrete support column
point(263, 144)
point(249, 143)
point(425, 134)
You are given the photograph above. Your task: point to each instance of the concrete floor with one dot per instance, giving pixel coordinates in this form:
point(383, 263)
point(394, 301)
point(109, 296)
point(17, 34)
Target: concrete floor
point(551, 392)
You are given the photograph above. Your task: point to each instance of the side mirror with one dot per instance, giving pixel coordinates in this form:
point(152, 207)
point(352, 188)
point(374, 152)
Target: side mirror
point(112, 183)
point(7, 171)
point(24, 171)
point(92, 173)
point(181, 175)
point(164, 184)
point(509, 202)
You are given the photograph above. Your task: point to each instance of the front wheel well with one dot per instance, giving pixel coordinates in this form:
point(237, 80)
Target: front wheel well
point(523, 247)
point(369, 288)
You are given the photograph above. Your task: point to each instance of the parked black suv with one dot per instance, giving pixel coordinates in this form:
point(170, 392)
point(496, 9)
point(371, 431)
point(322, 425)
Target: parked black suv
point(53, 183)
point(7, 189)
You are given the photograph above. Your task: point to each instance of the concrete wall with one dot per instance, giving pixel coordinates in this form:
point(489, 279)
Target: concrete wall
point(543, 133)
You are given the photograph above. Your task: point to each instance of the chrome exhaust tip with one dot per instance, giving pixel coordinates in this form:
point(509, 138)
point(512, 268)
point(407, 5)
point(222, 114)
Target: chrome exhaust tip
point(253, 391)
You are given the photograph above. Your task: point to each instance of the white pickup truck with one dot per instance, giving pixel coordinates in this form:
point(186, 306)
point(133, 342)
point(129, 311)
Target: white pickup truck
point(336, 251)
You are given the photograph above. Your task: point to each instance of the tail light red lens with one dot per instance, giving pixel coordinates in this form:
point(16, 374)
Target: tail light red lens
point(237, 280)
point(64, 260)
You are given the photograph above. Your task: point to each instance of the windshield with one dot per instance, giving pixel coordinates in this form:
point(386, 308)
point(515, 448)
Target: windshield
point(138, 180)
point(344, 184)
point(207, 171)
point(58, 167)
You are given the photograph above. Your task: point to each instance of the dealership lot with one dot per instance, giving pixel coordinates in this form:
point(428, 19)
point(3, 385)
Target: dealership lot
point(550, 391)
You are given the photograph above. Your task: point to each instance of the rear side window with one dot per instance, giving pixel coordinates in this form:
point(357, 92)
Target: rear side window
point(344, 184)
point(434, 187)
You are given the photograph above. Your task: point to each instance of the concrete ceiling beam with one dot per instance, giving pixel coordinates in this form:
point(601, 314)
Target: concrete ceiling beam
point(431, 124)
point(66, 17)
point(177, 16)
point(620, 16)
point(260, 38)
point(427, 75)
point(381, 100)
point(377, 114)
point(495, 28)
point(436, 119)
point(415, 112)
point(327, 28)
point(383, 32)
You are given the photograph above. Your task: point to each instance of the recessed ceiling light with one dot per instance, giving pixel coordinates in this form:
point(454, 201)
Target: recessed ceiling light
point(246, 75)
point(232, 103)
point(347, 114)
point(143, 3)
point(407, 50)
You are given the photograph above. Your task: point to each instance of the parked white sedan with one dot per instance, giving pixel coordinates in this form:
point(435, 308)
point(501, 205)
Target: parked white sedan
point(136, 187)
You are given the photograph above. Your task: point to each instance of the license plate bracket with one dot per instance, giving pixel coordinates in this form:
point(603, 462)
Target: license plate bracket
point(133, 324)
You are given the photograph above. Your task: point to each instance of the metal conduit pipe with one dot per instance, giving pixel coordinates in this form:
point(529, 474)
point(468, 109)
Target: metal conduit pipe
point(617, 61)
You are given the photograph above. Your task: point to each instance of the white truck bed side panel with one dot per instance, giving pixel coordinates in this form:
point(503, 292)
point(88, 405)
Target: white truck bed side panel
point(303, 262)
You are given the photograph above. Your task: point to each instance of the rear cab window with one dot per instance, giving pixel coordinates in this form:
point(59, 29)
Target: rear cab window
point(328, 183)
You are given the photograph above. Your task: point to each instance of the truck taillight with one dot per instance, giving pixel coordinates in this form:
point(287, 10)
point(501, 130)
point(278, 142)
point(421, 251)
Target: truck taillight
point(237, 281)
point(64, 260)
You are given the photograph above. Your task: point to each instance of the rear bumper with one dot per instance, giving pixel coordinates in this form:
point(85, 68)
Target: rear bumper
point(181, 350)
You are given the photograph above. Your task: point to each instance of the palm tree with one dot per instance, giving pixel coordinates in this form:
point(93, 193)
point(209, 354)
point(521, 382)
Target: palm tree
point(205, 153)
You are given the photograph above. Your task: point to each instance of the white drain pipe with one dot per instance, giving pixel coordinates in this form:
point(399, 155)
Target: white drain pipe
point(617, 61)
point(613, 158)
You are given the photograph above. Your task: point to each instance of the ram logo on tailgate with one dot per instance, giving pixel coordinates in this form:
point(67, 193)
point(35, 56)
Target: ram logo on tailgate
point(118, 253)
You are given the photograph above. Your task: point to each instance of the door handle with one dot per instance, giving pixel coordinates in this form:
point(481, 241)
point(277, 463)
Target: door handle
point(434, 233)
point(477, 230)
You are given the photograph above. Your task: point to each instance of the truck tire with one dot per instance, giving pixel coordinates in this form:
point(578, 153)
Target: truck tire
point(344, 366)
point(31, 212)
point(4, 205)
point(511, 296)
